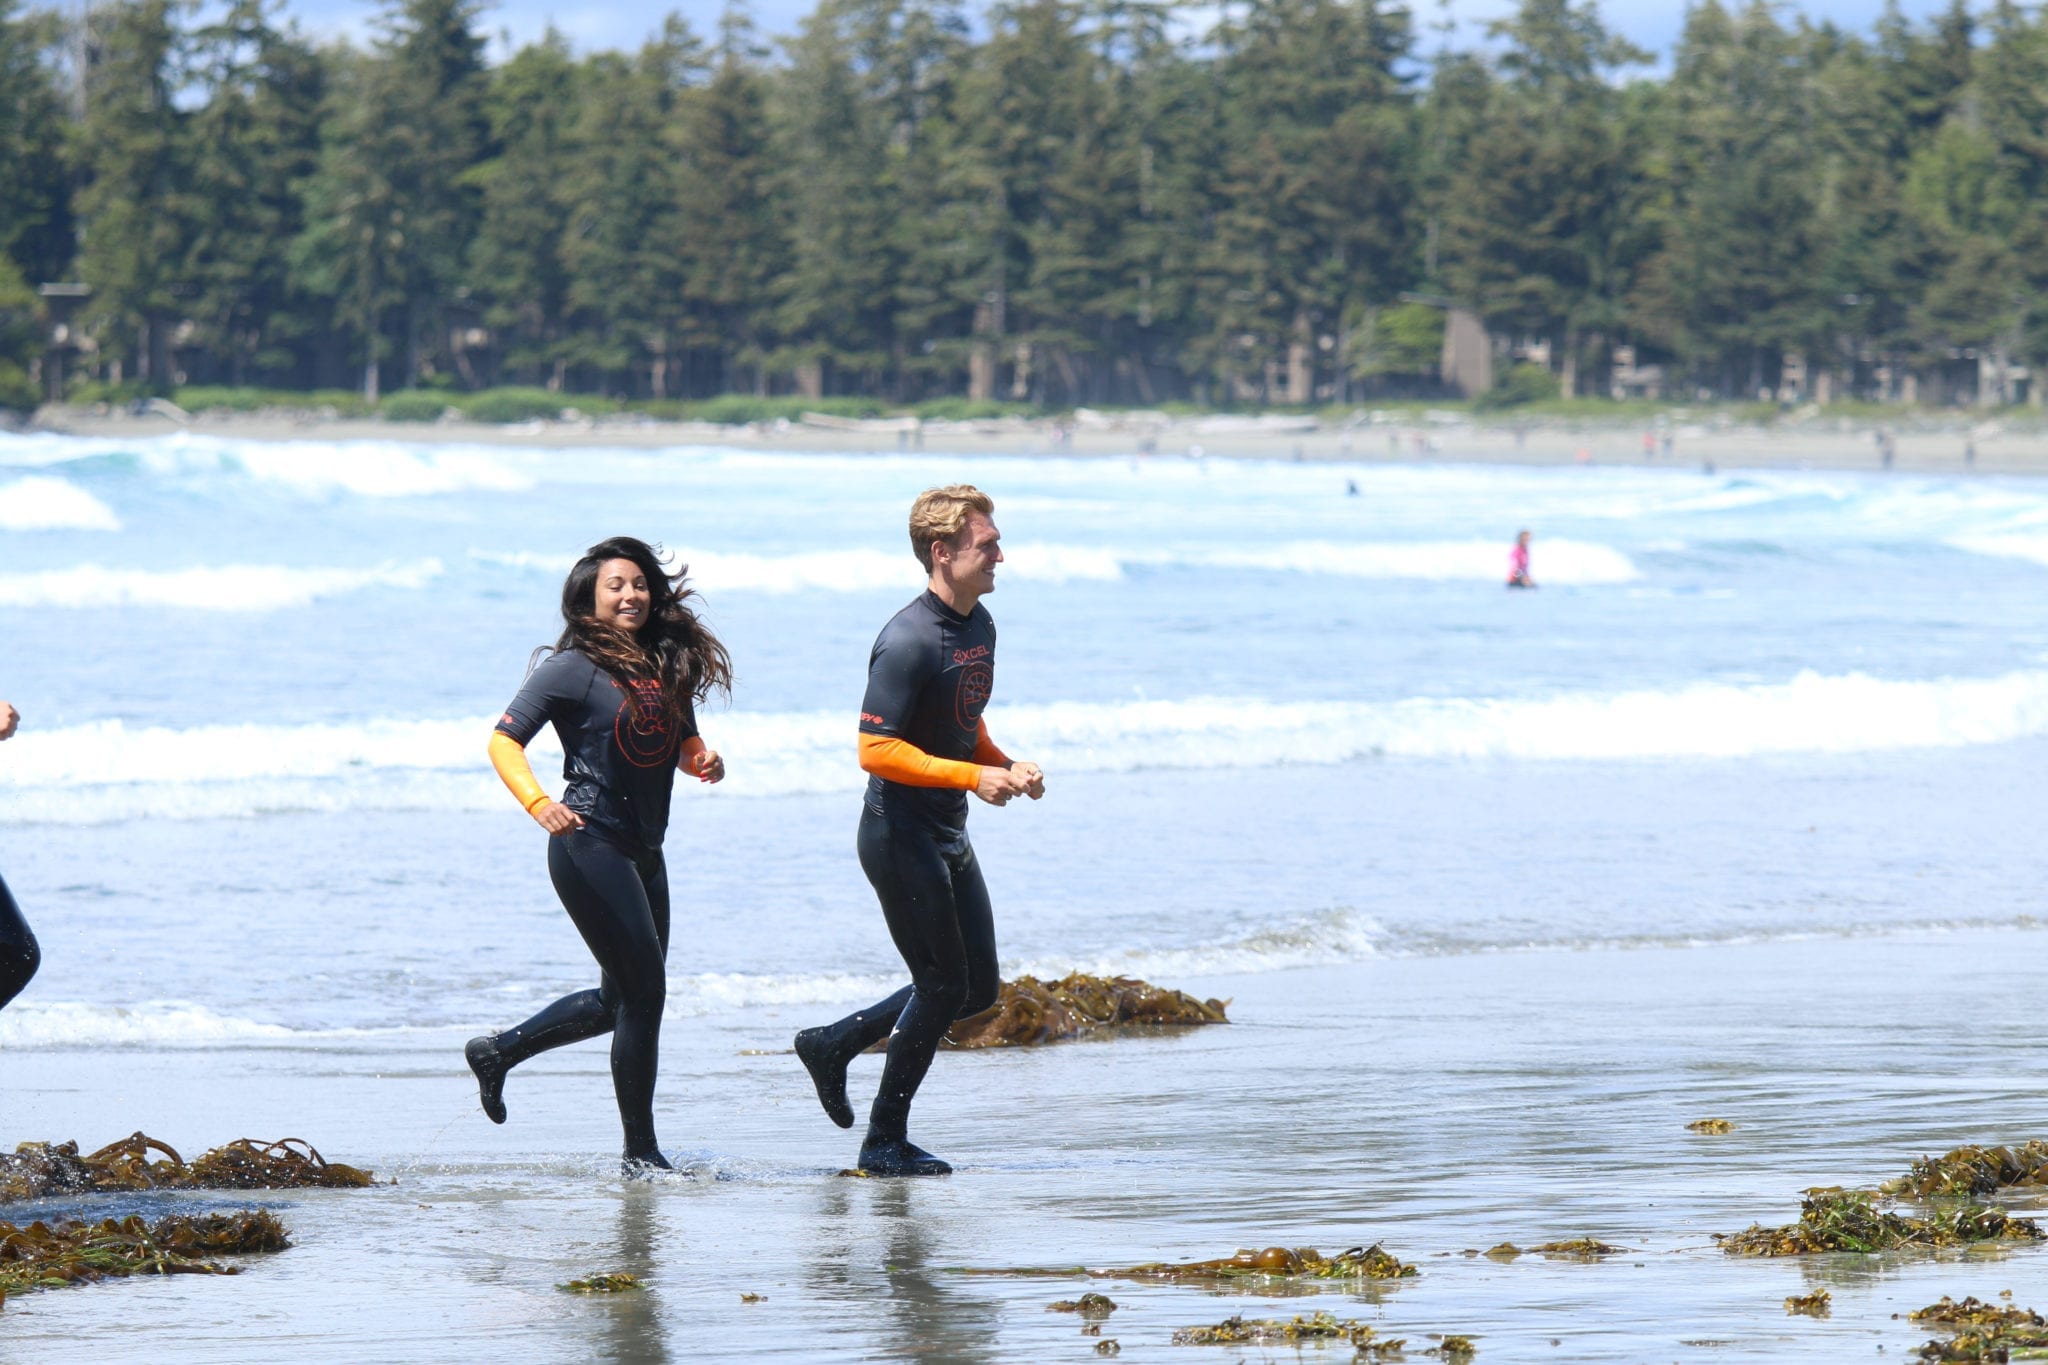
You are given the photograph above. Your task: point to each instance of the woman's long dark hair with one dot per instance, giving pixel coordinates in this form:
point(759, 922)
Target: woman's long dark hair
point(673, 648)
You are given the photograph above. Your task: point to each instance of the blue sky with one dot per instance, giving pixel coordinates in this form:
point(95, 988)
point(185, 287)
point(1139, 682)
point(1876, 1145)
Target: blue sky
point(1651, 24)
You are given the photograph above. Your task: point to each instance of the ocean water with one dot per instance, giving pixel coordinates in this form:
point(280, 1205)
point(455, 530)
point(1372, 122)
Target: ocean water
point(1736, 816)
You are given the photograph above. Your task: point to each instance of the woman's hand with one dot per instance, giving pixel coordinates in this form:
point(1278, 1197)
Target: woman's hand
point(9, 718)
point(709, 766)
point(556, 818)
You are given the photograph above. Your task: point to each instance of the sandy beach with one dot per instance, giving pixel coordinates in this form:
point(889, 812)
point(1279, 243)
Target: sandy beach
point(1505, 889)
point(1936, 442)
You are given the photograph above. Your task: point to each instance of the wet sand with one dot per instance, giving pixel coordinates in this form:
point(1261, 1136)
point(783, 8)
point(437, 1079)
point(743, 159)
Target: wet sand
point(1934, 444)
point(1438, 1105)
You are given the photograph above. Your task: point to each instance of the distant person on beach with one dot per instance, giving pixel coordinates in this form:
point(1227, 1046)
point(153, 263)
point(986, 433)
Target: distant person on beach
point(620, 688)
point(19, 955)
point(1518, 563)
point(924, 744)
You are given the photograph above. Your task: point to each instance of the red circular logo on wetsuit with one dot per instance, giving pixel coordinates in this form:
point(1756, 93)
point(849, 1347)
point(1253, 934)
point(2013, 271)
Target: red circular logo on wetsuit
point(977, 680)
point(641, 728)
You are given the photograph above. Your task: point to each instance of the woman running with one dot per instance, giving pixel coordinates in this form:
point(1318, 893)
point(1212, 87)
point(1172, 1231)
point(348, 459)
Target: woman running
point(19, 955)
point(620, 689)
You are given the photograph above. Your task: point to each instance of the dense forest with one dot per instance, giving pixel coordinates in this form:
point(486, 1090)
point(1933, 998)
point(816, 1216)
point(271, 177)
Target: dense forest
point(1054, 201)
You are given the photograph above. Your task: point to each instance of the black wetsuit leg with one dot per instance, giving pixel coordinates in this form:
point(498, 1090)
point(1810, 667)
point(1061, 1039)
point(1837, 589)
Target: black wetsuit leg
point(19, 955)
point(937, 908)
point(619, 903)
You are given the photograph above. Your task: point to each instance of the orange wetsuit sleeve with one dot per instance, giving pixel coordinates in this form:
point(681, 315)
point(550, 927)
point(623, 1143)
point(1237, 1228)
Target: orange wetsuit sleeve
point(985, 751)
point(896, 760)
point(508, 756)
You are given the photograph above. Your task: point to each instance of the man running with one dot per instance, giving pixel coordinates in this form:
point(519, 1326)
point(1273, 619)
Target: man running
point(19, 955)
point(925, 746)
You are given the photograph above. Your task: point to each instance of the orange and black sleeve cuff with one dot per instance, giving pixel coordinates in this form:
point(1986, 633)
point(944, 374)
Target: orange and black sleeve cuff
point(896, 760)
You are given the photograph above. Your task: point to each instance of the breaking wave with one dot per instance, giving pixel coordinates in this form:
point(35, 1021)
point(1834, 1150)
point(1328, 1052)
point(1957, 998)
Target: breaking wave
point(110, 771)
point(1561, 562)
point(40, 503)
point(223, 587)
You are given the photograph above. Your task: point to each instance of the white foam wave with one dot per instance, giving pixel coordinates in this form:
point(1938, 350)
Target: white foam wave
point(109, 771)
point(1552, 561)
point(33, 1023)
point(2030, 547)
point(370, 469)
point(39, 503)
point(870, 570)
point(221, 587)
point(1332, 936)
point(378, 469)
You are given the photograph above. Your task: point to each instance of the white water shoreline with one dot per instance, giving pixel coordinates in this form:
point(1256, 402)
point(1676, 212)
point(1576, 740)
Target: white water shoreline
point(1938, 445)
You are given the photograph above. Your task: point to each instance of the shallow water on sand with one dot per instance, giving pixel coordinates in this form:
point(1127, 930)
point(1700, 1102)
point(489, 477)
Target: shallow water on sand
point(1438, 1104)
point(1505, 890)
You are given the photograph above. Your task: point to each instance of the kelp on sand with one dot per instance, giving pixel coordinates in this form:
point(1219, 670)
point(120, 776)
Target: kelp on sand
point(37, 1170)
point(1319, 1327)
point(1029, 1011)
point(46, 1255)
point(1984, 1332)
point(1263, 1269)
point(1850, 1220)
point(1971, 1170)
point(1285, 1263)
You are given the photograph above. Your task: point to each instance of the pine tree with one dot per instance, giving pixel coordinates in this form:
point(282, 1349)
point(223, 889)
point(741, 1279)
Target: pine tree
point(136, 210)
point(518, 268)
point(255, 140)
point(35, 210)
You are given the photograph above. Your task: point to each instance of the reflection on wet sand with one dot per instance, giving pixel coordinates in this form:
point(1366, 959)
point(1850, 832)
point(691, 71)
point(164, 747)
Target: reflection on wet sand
point(632, 1329)
point(872, 1234)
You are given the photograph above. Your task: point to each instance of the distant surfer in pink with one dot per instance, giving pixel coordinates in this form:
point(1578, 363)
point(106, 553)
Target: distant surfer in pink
point(1518, 563)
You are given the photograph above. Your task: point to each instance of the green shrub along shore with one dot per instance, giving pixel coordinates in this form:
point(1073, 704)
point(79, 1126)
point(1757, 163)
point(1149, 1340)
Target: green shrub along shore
point(1533, 406)
point(501, 406)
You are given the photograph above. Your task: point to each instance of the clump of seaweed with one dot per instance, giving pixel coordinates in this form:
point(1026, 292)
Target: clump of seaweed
point(1029, 1011)
point(1506, 1251)
point(618, 1283)
point(1710, 1126)
point(1088, 1306)
point(1818, 1304)
point(1107, 1347)
point(36, 1170)
point(46, 1255)
point(1243, 1331)
point(1578, 1249)
point(1296, 1263)
point(1974, 1312)
point(1850, 1220)
point(1969, 1171)
point(1984, 1331)
point(1454, 1348)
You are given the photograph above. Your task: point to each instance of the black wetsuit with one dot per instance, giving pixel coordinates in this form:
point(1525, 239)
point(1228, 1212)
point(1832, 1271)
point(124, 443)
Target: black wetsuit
point(19, 955)
point(929, 677)
point(620, 767)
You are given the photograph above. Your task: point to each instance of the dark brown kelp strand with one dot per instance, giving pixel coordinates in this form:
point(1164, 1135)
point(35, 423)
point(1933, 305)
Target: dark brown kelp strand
point(1850, 1220)
point(1030, 1011)
point(1983, 1331)
point(1297, 1263)
point(46, 1255)
point(1974, 1170)
point(37, 1170)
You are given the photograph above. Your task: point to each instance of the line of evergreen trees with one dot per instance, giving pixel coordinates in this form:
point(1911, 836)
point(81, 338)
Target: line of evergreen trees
point(1076, 201)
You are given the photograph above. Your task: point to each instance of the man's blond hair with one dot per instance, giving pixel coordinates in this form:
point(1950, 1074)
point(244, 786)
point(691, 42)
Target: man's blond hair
point(941, 514)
